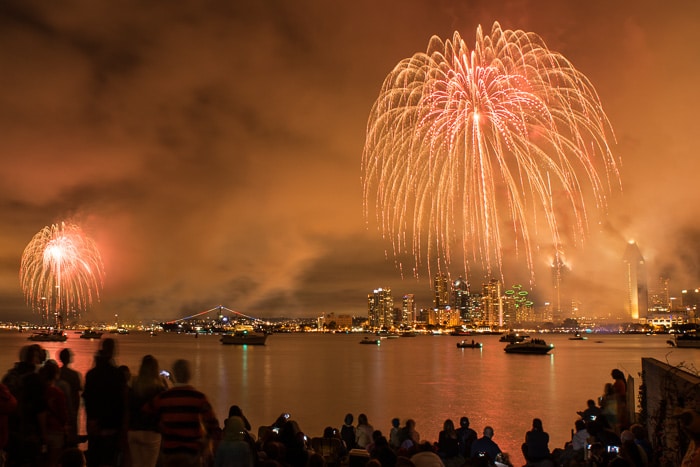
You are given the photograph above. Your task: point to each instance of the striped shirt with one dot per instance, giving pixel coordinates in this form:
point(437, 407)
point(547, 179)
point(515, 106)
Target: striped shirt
point(186, 419)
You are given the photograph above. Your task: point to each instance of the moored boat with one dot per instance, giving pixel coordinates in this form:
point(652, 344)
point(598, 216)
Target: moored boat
point(513, 337)
point(578, 337)
point(531, 346)
point(686, 341)
point(48, 336)
point(244, 338)
point(91, 334)
point(469, 345)
point(367, 340)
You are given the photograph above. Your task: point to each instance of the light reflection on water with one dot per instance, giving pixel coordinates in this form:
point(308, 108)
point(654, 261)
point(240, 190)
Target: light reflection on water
point(319, 378)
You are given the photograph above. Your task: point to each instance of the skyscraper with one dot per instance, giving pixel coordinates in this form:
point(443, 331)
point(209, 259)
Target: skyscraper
point(441, 289)
point(637, 289)
point(492, 300)
point(380, 308)
point(460, 298)
point(408, 309)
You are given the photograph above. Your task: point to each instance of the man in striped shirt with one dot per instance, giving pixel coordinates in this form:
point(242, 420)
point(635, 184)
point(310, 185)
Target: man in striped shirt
point(187, 421)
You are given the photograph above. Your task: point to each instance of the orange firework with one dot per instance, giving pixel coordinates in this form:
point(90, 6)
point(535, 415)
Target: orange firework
point(61, 271)
point(461, 143)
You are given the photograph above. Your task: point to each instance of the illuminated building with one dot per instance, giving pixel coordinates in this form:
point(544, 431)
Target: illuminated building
point(441, 290)
point(637, 291)
point(460, 298)
point(380, 307)
point(408, 309)
point(517, 307)
point(560, 275)
point(659, 297)
point(492, 304)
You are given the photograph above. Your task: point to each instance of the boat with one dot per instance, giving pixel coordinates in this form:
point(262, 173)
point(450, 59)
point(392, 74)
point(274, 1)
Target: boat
point(530, 346)
point(512, 337)
point(244, 335)
point(91, 334)
point(408, 334)
point(689, 340)
point(578, 337)
point(48, 336)
point(367, 340)
point(469, 345)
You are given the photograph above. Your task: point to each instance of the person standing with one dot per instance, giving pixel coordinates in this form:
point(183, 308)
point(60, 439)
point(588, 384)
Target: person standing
point(188, 425)
point(8, 405)
point(74, 381)
point(105, 398)
point(620, 393)
point(142, 434)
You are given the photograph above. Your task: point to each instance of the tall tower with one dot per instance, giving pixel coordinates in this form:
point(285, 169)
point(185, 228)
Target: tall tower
point(380, 308)
point(460, 298)
point(492, 300)
point(637, 289)
point(441, 288)
point(408, 309)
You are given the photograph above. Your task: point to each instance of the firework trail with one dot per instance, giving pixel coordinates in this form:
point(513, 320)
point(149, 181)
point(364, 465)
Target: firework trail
point(471, 145)
point(61, 271)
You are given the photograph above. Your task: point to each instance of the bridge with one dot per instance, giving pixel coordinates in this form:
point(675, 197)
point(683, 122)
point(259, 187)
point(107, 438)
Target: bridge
point(212, 320)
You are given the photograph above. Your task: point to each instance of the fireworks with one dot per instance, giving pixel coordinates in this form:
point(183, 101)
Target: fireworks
point(485, 146)
point(61, 271)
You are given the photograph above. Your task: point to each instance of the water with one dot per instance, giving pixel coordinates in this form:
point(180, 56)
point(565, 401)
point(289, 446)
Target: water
point(318, 378)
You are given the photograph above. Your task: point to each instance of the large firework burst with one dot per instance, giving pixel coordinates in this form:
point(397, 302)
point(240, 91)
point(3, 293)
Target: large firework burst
point(461, 143)
point(61, 271)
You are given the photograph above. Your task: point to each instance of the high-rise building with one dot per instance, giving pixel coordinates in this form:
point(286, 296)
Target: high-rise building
point(560, 276)
point(460, 298)
point(492, 303)
point(408, 310)
point(659, 296)
point(637, 290)
point(441, 291)
point(380, 308)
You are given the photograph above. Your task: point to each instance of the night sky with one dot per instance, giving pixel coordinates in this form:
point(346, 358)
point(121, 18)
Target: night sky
point(213, 149)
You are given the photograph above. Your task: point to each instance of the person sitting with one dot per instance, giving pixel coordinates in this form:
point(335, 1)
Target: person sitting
point(234, 449)
point(485, 446)
point(448, 443)
point(347, 432)
point(592, 412)
point(536, 446)
point(465, 437)
point(426, 456)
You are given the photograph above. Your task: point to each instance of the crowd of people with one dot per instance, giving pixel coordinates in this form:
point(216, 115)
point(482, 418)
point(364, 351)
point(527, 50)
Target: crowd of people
point(154, 418)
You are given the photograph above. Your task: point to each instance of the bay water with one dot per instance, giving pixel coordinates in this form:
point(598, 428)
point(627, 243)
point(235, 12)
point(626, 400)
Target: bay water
point(318, 378)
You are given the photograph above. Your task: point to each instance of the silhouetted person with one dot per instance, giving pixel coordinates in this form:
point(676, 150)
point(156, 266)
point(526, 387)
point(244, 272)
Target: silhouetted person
point(105, 398)
point(465, 437)
point(187, 421)
point(536, 445)
point(74, 381)
point(485, 446)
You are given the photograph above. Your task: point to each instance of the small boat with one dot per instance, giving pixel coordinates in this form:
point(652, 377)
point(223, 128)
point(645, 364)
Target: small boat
point(686, 341)
point(578, 337)
point(91, 334)
point(48, 336)
point(513, 337)
point(367, 340)
point(469, 345)
point(244, 335)
point(531, 346)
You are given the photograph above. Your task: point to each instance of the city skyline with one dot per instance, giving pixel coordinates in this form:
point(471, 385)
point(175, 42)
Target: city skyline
point(214, 153)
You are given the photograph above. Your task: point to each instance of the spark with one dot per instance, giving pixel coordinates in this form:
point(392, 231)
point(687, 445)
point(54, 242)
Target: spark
point(485, 146)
